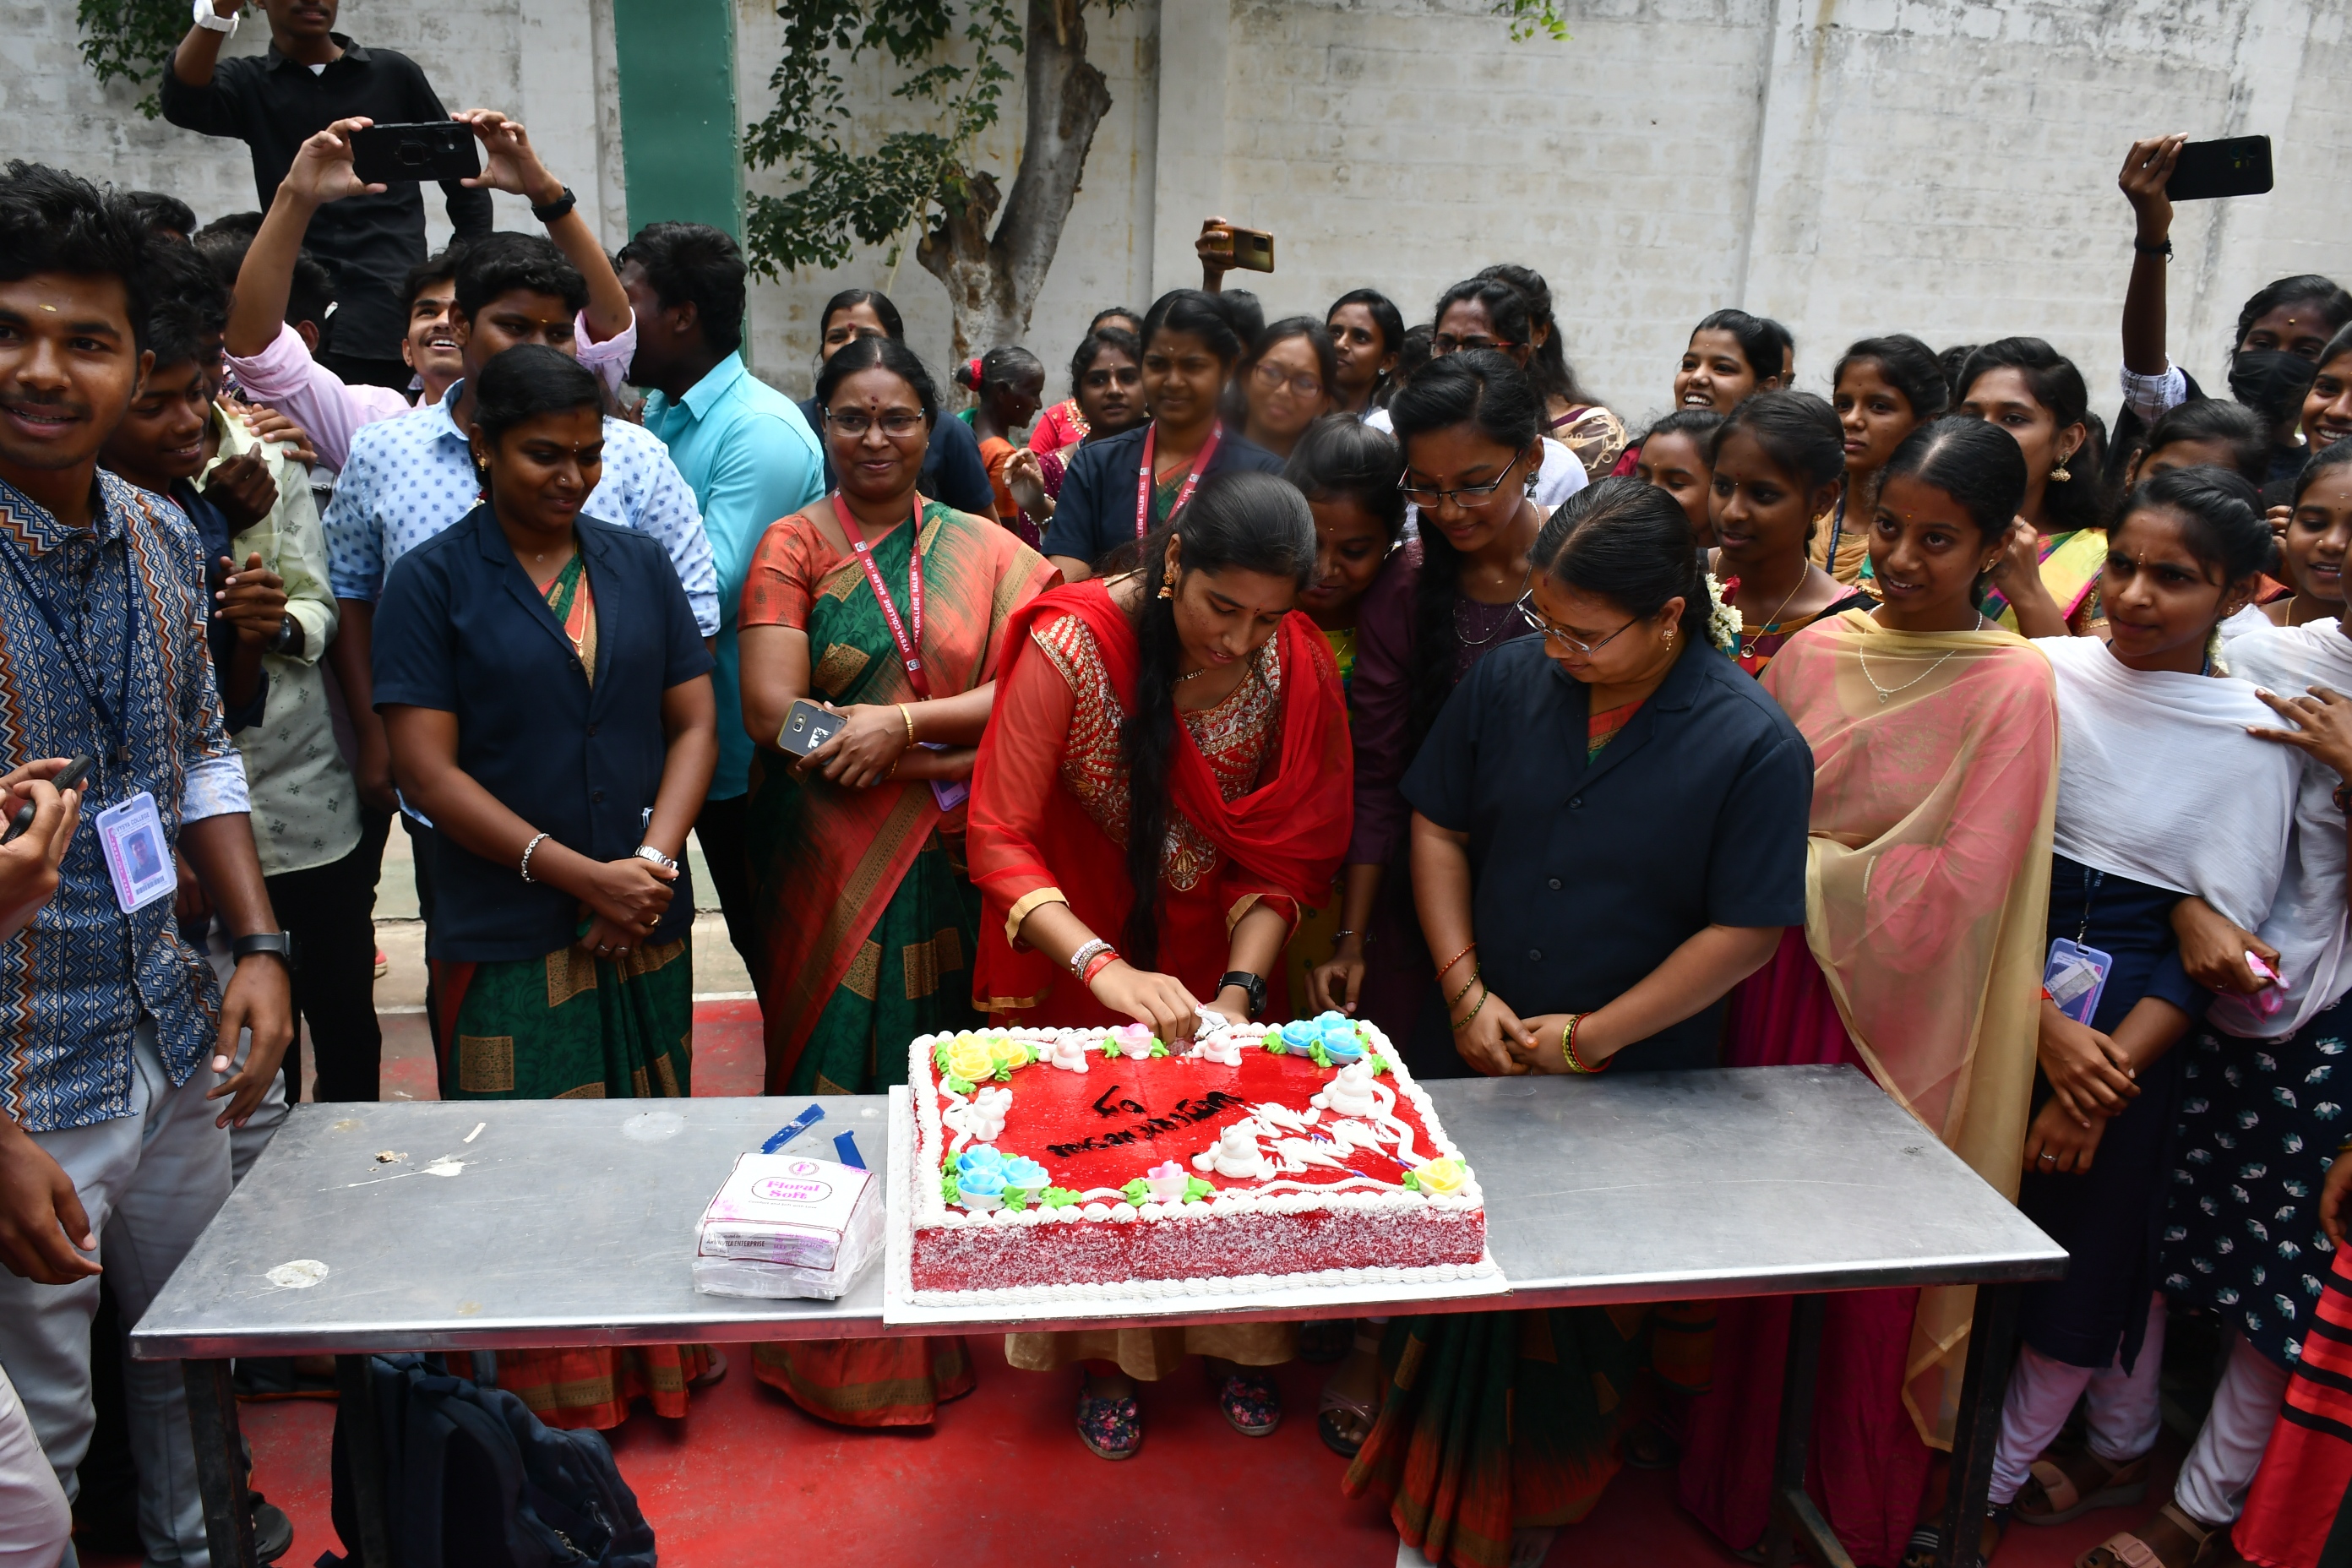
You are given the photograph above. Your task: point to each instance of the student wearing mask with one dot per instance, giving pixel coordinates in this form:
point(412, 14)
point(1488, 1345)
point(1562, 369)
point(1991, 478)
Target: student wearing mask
point(953, 470)
point(1883, 389)
point(1367, 335)
point(2047, 579)
point(1119, 489)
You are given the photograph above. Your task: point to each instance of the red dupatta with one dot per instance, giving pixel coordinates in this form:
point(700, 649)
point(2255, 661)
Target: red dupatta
point(1285, 839)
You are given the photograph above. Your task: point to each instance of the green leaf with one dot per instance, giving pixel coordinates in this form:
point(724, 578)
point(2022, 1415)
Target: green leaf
point(1317, 1054)
point(1056, 1198)
point(1530, 17)
point(940, 1056)
point(1137, 1192)
point(1158, 1046)
point(1379, 1066)
point(1196, 1189)
point(1016, 1198)
point(1411, 1185)
point(957, 1086)
point(1004, 1074)
point(1110, 1049)
point(948, 1188)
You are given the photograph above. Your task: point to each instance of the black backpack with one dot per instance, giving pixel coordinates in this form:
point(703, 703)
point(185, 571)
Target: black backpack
point(473, 1479)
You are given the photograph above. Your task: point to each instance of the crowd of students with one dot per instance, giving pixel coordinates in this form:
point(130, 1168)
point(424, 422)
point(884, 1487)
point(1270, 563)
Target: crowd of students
point(1278, 667)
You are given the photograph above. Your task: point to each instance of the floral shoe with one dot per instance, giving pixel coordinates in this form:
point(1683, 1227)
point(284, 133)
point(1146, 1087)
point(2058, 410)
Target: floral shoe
point(1110, 1428)
point(1251, 1401)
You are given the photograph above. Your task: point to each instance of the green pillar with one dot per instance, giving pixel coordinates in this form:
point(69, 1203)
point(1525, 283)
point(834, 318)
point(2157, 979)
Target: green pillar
point(678, 123)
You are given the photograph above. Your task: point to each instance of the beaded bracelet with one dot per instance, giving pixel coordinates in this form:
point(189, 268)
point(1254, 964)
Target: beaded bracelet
point(1474, 1012)
point(1446, 967)
point(526, 852)
point(1567, 1046)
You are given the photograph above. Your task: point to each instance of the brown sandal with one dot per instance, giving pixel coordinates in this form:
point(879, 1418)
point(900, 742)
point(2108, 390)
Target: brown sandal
point(2125, 1549)
point(2060, 1490)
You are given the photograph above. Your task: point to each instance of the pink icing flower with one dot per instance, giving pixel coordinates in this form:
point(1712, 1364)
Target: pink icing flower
point(1167, 1182)
point(1133, 1040)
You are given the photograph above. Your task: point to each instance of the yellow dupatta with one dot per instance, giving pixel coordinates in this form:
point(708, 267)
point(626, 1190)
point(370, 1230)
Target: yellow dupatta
point(2071, 564)
point(1927, 896)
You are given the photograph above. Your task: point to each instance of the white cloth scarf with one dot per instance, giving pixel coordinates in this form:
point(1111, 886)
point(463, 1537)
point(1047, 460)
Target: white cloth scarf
point(2159, 781)
point(2307, 922)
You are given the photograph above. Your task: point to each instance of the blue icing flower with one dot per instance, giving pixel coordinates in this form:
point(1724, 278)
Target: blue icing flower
point(1299, 1034)
point(1024, 1173)
point(981, 1157)
point(1341, 1044)
point(1331, 1021)
point(982, 1182)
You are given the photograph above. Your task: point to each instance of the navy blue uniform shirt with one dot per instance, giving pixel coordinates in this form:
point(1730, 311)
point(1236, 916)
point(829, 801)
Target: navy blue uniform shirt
point(1585, 876)
point(1094, 513)
point(461, 629)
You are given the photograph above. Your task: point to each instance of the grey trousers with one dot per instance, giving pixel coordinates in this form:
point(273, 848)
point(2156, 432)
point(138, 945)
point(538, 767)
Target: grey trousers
point(150, 1181)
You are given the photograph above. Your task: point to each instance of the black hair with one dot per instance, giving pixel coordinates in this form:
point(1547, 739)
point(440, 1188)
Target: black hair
point(998, 367)
point(2338, 345)
point(1955, 360)
point(1555, 377)
point(1208, 317)
point(2079, 501)
point(1974, 461)
point(1104, 315)
point(1248, 316)
point(1506, 306)
point(311, 290)
point(1480, 387)
point(1909, 366)
point(441, 267)
point(1629, 544)
point(1413, 356)
point(2233, 424)
point(1797, 430)
point(1093, 343)
point(229, 228)
point(527, 381)
point(850, 298)
point(693, 263)
point(1699, 424)
point(2318, 463)
point(51, 221)
point(504, 263)
point(1340, 457)
point(2335, 304)
point(1387, 321)
point(189, 309)
point(1239, 520)
point(878, 353)
point(159, 212)
point(1318, 340)
point(2223, 514)
point(1764, 343)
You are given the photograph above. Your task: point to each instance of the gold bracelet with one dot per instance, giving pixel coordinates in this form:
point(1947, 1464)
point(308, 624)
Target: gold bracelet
point(1567, 1046)
point(1474, 1012)
point(907, 714)
point(1451, 1001)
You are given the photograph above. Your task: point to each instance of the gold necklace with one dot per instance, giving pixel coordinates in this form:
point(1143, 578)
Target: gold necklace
point(1773, 622)
point(1885, 692)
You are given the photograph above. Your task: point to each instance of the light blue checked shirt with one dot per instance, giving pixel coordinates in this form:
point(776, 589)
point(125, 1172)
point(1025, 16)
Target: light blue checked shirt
point(410, 477)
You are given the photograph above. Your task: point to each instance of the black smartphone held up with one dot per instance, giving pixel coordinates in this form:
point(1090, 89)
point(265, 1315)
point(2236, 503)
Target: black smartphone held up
point(73, 773)
point(2234, 166)
point(807, 727)
point(436, 150)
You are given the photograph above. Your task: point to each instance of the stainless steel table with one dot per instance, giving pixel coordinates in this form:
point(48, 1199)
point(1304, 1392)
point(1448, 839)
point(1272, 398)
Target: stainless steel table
point(569, 1222)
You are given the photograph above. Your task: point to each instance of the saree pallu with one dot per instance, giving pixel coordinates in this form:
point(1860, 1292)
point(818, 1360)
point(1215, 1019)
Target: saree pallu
point(575, 1026)
point(2297, 1495)
point(2071, 564)
point(1492, 1421)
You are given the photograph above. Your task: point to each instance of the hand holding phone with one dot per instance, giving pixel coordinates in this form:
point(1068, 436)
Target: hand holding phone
point(807, 726)
point(436, 149)
point(2233, 166)
point(68, 777)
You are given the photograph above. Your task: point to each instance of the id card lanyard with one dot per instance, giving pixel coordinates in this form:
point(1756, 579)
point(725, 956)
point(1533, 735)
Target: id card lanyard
point(113, 718)
point(909, 641)
point(1144, 476)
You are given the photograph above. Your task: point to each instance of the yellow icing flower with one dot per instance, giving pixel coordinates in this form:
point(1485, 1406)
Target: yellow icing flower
point(970, 1059)
point(1007, 1052)
point(1441, 1177)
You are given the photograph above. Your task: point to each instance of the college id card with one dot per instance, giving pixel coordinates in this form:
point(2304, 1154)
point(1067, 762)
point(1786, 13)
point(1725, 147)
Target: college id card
point(2075, 977)
point(137, 857)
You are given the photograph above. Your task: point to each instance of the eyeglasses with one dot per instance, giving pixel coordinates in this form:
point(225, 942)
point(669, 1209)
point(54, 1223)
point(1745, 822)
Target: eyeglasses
point(1446, 343)
point(1272, 379)
point(1467, 496)
point(1534, 617)
point(897, 423)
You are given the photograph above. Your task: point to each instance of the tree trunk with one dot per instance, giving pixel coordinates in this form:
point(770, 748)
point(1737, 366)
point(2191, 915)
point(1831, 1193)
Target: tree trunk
point(993, 283)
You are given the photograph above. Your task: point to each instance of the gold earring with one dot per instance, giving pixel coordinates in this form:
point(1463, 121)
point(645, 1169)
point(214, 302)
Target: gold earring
point(2058, 474)
point(1670, 637)
point(1167, 591)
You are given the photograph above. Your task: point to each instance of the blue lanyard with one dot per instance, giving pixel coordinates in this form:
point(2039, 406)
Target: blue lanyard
point(112, 718)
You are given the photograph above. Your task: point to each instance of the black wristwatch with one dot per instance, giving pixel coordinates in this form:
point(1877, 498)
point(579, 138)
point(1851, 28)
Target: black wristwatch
point(280, 944)
point(289, 635)
point(556, 208)
point(1252, 984)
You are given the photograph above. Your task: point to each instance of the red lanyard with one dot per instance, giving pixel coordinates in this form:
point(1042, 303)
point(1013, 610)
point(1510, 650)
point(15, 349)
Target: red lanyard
point(1144, 478)
point(909, 648)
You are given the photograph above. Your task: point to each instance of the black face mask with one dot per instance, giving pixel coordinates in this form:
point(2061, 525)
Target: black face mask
point(2270, 382)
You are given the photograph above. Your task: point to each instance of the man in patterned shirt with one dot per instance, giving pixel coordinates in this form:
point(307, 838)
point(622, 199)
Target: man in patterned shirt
point(109, 1021)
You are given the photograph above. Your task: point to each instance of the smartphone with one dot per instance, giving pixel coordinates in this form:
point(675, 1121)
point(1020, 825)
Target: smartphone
point(2234, 166)
point(436, 150)
point(75, 772)
point(807, 727)
point(1252, 248)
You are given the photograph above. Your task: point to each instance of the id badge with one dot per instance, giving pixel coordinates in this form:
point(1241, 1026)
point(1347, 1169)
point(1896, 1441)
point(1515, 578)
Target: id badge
point(137, 857)
point(2075, 977)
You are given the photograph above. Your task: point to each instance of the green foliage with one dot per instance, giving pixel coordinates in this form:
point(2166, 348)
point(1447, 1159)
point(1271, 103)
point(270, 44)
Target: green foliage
point(132, 39)
point(1530, 17)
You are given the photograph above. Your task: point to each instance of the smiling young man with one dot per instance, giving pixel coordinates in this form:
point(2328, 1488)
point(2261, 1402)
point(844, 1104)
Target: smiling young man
point(108, 1020)
point(311, 76)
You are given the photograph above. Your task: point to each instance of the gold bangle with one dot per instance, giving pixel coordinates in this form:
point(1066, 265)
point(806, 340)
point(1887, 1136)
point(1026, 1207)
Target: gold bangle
point(1452, 1001)
point(1474, 1012)
point(908, 715)
point(1567, 1046)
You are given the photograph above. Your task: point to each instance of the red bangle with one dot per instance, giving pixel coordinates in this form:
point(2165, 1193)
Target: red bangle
point(1095, 966)
point(1449, 963)
point(1568, 1048)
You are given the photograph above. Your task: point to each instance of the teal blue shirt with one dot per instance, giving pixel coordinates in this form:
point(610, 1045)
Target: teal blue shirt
point(751, 459)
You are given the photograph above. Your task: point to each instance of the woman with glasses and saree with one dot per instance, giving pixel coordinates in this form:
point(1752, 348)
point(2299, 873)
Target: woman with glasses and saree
point(890, 609)
point(1608, 834)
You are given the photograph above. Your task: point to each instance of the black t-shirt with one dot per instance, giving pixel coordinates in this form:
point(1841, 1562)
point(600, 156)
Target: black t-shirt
point(1585, 875)
point(1094, 513)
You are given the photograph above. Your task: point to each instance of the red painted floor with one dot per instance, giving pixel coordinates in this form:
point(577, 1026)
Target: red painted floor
point(1001, 1480)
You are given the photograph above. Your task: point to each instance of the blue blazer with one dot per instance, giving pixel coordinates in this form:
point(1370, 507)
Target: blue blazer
point(462, 629)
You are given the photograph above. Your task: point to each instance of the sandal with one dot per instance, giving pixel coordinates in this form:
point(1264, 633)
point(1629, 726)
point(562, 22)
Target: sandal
point(1344, 1423)
point(2060, 1490)
point(1919, 1552)
point(2125, 1549)
point(1251, 1404)
point(1110, 1428)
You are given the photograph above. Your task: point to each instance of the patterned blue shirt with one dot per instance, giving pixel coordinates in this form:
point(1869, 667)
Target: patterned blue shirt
point(74, 983)
point(410, 477)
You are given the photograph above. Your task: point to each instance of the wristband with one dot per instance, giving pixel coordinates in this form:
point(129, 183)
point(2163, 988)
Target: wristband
point(1095, 966)
point(213, 21)
point(2162, 248)
point(1450, 1001)
point(1087, 951)
point(556, 208)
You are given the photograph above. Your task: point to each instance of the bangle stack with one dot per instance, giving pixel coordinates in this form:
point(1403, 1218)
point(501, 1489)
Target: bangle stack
point(537, 840)
point(1094, 955)
point(1568, 1048)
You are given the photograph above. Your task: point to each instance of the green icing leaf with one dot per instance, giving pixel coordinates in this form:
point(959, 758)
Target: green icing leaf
point(949, 1191)
point(1378, 1066)
point(1317, 1054)
point(1110, 1048)
point(1016, 1197)
point(940, 1056)
point(955, 1085)
point(1411, 1185)
point(1056, 1198)
point(1137, 1192)
point(1158, 1046)
point(1004, 1074)
point(1274, 1043)
point(1196, 1189)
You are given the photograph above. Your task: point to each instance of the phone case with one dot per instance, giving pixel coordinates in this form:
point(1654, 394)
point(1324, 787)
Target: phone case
point(386, 154)
point(2076, 977)
point(807, 727)
point(2234, 166)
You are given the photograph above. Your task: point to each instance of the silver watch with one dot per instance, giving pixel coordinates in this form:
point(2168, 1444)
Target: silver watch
point(209, 18)
point(647, 852)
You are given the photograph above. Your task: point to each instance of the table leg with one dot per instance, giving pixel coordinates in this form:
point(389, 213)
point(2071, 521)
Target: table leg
point(1792, 1509)
point(220, 1463)
point(1977, 1428)
point(364, 1453)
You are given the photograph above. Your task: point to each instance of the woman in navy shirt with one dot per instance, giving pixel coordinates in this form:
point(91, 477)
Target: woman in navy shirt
point(1609, 831)
point(548, 699)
